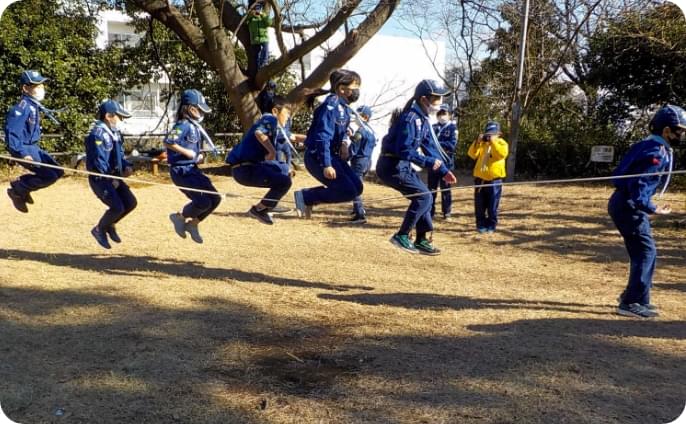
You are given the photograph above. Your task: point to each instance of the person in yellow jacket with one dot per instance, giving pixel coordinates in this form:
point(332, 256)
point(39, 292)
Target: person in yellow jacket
point(489, 150)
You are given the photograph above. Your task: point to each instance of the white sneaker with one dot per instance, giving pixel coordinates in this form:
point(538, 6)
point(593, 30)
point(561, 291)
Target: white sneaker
point(194, 232)
point(179, 224)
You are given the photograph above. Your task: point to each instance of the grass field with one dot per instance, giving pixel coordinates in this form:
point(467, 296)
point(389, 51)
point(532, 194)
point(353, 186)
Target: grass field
point(315, 322)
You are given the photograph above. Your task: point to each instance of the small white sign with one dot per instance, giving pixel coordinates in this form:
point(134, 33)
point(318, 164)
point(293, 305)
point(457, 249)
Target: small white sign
point(602, 154)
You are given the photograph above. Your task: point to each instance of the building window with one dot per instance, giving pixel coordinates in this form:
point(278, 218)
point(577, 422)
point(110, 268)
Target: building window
point(122, 40)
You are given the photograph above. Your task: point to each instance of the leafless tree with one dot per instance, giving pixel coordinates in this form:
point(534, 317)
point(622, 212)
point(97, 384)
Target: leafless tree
point(213, 29)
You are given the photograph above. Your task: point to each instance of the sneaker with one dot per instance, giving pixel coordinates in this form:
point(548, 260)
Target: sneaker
point(18, 200)
point(280, 209)
point(100, 237)
point(481, 230)
point(425, 247)
point(262, 216)
point(358, 219)
point(620, 300)
point(636, 310)
point(179, 224)
point(490, 230)
point(194, 232)
point(447, 217)
point(301, 208)
point(112, 232)
point(402, 242)
point(29, 199)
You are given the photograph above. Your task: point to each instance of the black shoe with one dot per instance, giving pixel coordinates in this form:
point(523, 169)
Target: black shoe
point(112, 232)
point(262, 216)
point(358, 219)
point(100, 237)
point(18, 200)
point(29, 199)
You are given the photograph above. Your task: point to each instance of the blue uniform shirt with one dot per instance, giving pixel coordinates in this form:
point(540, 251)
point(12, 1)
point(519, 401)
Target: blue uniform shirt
point(447, 138)
point(105, 151)
point(647, 156)
point(186, 135)
point(410, 132)
point(250, 149)
point(329, 126)
point(363, 142)
point(22, 127)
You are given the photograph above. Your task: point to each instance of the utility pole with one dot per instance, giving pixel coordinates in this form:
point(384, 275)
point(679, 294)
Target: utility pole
point(517, 105)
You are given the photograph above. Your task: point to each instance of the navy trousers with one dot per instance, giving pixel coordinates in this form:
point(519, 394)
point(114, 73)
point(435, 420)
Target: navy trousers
point(270, 174)
point(360, 166)
point(202, 204)
point(344, 188)
point(634, 226)
point(436, 181)
point(400, 176)
point(120, 200)
point(486, 202)
point(41, 176)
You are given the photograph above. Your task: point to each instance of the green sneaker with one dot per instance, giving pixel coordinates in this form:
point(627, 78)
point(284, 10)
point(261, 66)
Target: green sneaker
point(425, 247)
point(402, 242)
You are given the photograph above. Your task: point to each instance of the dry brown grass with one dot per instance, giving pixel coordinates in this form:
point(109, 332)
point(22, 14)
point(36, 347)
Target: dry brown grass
point(308, 322)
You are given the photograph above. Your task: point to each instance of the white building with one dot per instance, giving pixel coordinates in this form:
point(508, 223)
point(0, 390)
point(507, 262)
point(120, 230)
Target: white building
point(390, 67)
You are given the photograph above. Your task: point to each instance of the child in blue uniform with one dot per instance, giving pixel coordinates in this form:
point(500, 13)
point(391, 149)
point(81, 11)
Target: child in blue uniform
point(253, 161)
point(105, 155)
point(445, 131)
point(360, 154)
point(323, 143)
point(411, 130)
point(183, 154)
point(22, 137)
point(630, 205)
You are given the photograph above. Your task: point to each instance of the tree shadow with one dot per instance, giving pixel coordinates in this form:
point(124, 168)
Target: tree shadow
point(132, 266)
point(431, 301)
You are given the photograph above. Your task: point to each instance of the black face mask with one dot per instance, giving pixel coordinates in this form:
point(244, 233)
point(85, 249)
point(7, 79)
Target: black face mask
point(354, 95)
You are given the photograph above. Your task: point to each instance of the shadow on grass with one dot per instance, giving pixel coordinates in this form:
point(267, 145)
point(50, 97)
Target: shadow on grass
point(140, 265)
point(438, 302)
point(223, 362)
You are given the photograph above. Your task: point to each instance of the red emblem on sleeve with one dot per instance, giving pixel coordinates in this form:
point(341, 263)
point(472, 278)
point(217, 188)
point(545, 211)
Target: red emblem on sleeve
point(656, 161)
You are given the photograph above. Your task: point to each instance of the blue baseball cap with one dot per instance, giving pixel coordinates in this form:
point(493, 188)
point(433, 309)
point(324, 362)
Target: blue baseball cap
point(492, 127)
point(445, 107)
point(114, 107)
point(429, 87)
point(195, 98)
point(365, 110)
point(31, 77)
point(669, 116)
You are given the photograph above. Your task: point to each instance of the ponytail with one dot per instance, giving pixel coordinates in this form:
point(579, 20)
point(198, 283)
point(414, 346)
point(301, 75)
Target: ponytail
point(397, 112)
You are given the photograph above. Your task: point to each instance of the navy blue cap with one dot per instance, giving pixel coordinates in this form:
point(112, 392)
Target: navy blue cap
point(492, 127)
point(445, 107)
point(271, 84)
point(31, 77)
point(430, 88)
point(195, 98)
point(113, 106)
point(365, 110)
point(669, 116)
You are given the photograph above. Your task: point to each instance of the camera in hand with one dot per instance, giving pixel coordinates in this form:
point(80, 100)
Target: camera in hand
point(487, 138)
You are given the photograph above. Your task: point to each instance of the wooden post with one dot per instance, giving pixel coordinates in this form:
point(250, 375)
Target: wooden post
point(155, 166)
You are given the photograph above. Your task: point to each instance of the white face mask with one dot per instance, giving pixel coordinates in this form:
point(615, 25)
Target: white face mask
point(443, 120)
point(432, 109)
point(39, 94)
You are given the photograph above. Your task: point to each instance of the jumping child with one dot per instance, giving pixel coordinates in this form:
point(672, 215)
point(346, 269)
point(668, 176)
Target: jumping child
point(183, 154)
point(253, 161)
point(410, 130)
point(105, 155)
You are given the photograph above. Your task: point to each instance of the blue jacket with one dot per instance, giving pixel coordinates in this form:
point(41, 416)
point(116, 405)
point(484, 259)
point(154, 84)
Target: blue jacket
point(22, 127)
point(407, 135)
point(250, 149)
point(647, 156)
point(329, 126)
point(186, 135)
point(363, 142)
point(105, 151)
point(447, 138)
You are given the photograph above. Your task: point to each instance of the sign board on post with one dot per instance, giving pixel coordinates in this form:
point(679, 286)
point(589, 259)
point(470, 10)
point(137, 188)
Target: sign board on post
point(602, 154)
